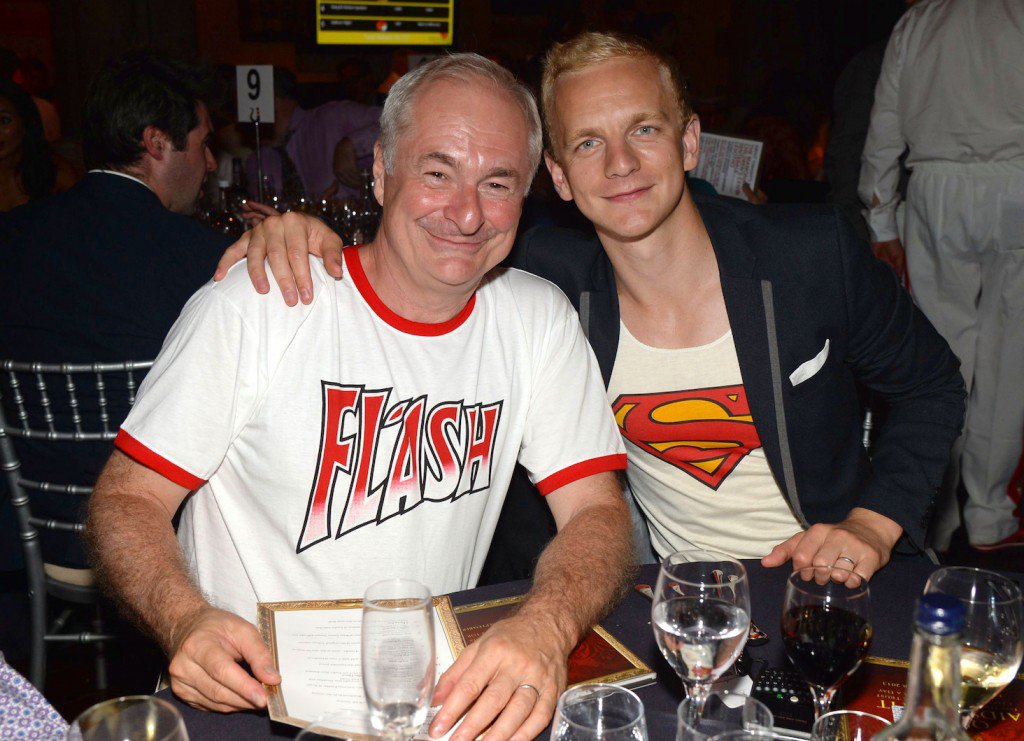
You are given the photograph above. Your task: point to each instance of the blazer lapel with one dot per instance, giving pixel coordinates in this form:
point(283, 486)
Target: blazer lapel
point(602, 314)
point(745, 305)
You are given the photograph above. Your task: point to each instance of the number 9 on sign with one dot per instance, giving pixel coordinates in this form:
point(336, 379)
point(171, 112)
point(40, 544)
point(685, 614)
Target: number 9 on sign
point(255, 92)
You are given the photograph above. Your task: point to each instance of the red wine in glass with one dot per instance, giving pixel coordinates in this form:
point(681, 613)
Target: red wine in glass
point(826, 628)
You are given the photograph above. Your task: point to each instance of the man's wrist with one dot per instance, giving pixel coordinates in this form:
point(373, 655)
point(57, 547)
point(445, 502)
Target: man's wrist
point(886, 528)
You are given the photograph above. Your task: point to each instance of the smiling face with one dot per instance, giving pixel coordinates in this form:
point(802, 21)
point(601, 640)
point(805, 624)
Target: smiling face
point(12, 130)
point(452, 203)
point(621, 148)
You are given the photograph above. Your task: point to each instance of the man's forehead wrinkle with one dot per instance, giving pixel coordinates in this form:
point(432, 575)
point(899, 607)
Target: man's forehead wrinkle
point(441, 157)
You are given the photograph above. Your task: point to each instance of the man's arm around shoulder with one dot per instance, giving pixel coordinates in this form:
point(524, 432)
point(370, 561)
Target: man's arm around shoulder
point(138, 559)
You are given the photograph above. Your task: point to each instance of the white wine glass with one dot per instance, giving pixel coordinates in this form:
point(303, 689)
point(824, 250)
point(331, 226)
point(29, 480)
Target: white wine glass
point(701, 616)
point(599, 712)
point(398, 655)
point(134, 717)
point(991, 644)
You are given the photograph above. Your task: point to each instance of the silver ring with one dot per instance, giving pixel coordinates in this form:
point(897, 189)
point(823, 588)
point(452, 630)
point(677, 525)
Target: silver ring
point(530, 687)
point(846, 558)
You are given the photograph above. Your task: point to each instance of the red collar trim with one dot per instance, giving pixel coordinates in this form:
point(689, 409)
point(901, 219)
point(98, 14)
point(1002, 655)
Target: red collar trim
point(355, 270)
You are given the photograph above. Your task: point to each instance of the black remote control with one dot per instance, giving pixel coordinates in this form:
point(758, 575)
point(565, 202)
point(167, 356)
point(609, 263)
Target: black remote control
point(788, 697)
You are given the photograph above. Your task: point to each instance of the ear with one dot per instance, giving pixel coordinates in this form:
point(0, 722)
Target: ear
point(156, 142)
point(562, 186)
point(691, 143)
point(378, 173)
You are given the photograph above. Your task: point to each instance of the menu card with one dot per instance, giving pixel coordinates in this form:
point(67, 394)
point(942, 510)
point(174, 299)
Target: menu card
point(727, 162)
point(316, 649)
point(878, 687)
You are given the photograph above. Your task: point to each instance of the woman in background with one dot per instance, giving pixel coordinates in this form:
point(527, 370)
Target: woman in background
point(28, 169)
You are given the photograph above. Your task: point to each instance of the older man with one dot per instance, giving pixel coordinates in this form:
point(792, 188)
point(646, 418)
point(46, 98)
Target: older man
point(730, 337)
point(373, 432)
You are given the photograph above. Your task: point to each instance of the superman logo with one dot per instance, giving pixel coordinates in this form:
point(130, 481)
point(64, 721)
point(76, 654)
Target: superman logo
point(704, 432)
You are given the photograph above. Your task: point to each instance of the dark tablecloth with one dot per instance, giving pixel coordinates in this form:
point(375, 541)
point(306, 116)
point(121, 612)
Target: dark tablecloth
point(893, 591)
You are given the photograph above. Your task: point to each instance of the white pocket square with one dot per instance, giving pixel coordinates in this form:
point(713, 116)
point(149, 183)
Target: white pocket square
point(810, 367)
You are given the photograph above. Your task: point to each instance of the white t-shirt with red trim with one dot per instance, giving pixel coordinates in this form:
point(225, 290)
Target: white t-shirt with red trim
point(336, 444)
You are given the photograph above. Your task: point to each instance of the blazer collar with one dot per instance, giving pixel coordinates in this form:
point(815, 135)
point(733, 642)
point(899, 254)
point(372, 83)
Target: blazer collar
point(735, 258)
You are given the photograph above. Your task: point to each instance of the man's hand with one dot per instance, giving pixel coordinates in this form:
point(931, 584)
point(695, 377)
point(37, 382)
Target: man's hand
point(891, 253)
point(286, 240)
point(862, 543)
point(488, 681)
point(204, 664)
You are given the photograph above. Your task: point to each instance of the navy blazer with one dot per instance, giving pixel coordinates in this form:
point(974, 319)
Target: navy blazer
point(794, 277)
point(96, 274)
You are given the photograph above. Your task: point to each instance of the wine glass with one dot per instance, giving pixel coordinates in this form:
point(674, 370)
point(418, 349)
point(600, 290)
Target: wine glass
point(991, 646)
point(398, 655)
point(826, 628)
point(701, 616)
point(133, 717)
point(605, 712)
point(848, 725)
point(723, 711)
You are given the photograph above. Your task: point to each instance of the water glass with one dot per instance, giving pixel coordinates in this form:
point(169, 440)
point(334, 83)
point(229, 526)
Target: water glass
point(589, 712)
point(398, 655)
point(847, 725)
point(131, 718)
point(701, 616)
point(722, 711)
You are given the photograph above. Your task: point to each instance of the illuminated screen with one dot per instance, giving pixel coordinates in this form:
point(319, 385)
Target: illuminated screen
point(386, 22)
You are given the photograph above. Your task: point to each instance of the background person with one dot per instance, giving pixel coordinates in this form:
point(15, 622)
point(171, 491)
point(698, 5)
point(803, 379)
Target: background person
point(950, 94)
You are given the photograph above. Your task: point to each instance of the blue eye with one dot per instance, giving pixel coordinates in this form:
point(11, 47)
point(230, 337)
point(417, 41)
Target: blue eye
point(646, 130)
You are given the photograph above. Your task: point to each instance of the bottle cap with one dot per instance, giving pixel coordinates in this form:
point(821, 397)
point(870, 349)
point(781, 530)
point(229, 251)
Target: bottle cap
point(940, 614)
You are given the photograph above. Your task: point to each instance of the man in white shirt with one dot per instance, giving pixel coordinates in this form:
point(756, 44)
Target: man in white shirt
point(373, 433)
point(950, 92)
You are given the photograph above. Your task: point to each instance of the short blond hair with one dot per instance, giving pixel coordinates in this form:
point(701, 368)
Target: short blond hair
point(592, 48)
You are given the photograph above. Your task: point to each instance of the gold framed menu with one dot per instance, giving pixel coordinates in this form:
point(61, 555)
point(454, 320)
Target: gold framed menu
point(316, 650)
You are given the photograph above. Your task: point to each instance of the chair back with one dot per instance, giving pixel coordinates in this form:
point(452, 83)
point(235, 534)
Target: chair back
point(45, 404)
point(60, 403)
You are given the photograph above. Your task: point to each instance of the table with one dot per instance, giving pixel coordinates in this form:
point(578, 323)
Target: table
point(893, 592)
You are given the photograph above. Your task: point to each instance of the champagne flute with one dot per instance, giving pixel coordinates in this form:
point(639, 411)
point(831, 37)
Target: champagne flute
point(398, 655)
point(133, 717)
point(701, 616)
point(599, 712)
point(991, 643)
point(826, 628)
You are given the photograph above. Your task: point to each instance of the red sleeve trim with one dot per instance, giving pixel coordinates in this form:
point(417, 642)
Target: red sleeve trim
point(581, 471)
point(139, 452)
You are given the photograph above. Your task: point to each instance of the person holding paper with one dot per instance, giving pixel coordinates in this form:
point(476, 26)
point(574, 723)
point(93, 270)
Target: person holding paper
point(731, 337)
point(373, 432)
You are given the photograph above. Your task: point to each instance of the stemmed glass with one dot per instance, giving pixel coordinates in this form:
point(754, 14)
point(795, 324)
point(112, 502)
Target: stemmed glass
point(826, 628)
point(398, 655)
point(701, 616)
point(991, 646)
point(135, 717)
point(599, 712)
